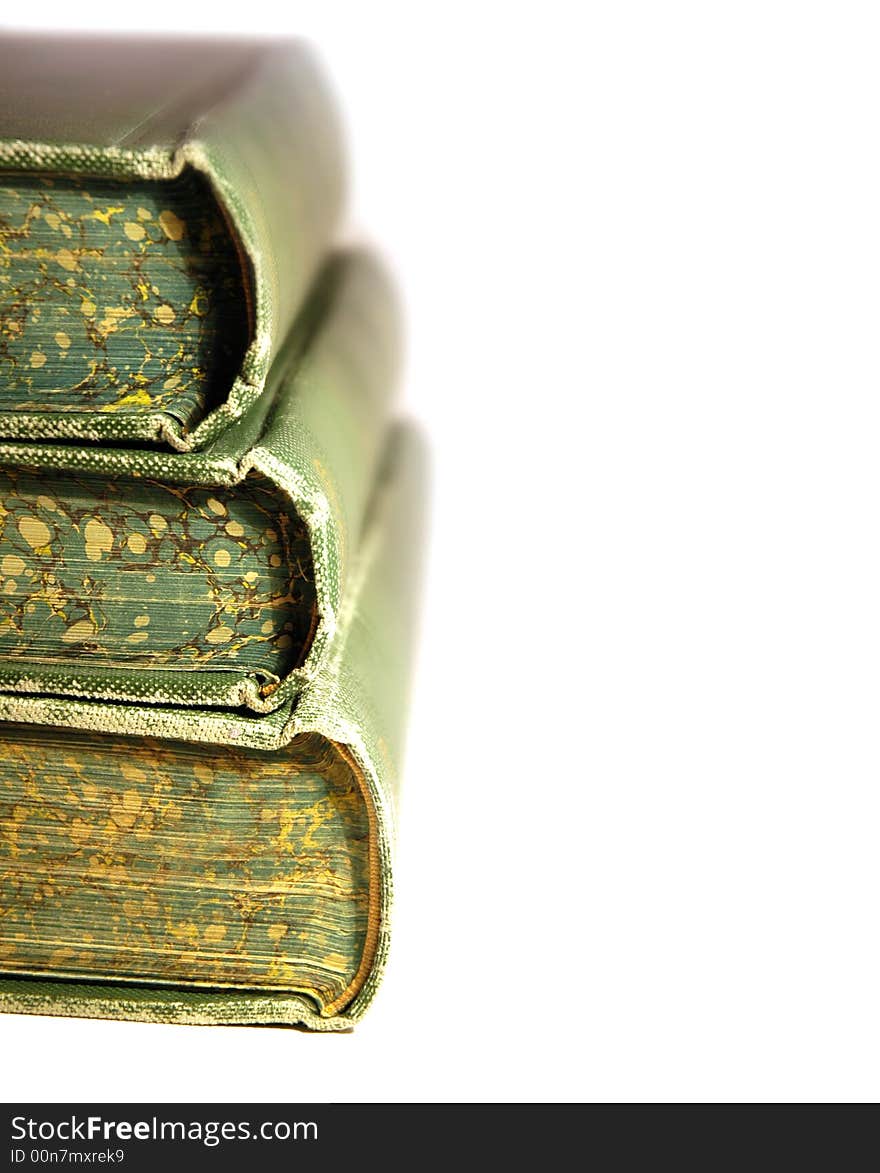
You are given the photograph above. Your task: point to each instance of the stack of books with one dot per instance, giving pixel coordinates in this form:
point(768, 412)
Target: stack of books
point(209, 538)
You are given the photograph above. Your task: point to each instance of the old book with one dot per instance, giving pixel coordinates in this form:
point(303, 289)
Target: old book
point(211, 577)
point(164, 208)
point(182, 865)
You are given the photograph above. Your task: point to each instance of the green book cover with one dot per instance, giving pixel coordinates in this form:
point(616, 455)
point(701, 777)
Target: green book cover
point(164, 208)
point(218, 868)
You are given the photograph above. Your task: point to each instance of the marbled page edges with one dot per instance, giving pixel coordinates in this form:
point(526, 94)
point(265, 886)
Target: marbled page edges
point(137, 574)
point(117, 297)
point(171, 863)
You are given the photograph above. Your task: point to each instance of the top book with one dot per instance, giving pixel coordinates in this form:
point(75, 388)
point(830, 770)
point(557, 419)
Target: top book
point(164, 209)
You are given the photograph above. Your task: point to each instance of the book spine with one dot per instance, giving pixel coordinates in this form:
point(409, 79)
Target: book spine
point(274, 155)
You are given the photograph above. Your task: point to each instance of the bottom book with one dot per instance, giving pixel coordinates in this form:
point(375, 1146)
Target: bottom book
point(179, 865)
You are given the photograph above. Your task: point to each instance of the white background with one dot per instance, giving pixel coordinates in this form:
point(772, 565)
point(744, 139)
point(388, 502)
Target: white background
point(640, 248)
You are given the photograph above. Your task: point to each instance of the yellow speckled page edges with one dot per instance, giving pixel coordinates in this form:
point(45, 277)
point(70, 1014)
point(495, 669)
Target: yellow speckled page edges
point(185, 865)
point(140, 576)
point(122, 297)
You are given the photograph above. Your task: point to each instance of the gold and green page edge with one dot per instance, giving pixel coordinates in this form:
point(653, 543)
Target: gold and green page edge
point(217, 489)
point(126, 588)
point(357, 703)
point(163, 428)
point(317, 715)
point(275, 891)
point(128, 298)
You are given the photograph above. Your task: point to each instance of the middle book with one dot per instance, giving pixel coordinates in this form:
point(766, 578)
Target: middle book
point(211, 578)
